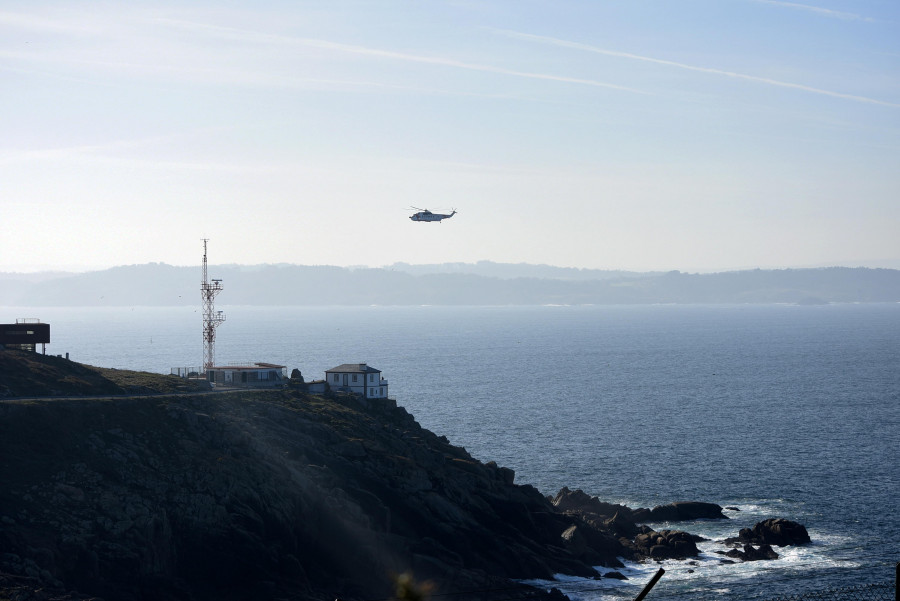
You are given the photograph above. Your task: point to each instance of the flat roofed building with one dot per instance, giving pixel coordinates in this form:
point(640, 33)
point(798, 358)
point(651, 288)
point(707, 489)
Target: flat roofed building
point(256, 375)
point(358, 378)
point(24, 335)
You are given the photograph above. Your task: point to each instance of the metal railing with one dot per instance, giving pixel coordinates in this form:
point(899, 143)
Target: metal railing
point(185, 372)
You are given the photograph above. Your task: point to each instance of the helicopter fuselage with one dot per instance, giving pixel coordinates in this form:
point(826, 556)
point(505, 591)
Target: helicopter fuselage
point(429, 216)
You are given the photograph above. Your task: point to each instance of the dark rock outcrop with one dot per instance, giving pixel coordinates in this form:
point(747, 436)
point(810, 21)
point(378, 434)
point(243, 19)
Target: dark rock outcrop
point(754, 544)
point(581, 503)
point(578, 501)
point(681, 511)
point(638, 542)
point(666, 544)
point(775, 531)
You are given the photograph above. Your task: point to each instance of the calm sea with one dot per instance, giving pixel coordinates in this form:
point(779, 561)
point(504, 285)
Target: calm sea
point(777, 410)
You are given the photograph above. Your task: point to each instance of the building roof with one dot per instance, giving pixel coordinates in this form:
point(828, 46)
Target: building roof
point(353, 368)
point(24, 331)
point(248, 367)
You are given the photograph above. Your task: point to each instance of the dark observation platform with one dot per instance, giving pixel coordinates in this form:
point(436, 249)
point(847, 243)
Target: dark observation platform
point(25, 335)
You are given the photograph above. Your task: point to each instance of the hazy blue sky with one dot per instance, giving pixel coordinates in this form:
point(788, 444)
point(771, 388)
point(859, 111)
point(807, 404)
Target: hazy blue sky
point(700, 135)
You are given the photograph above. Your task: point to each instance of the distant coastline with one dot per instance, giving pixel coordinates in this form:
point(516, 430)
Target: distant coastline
point(483, 283)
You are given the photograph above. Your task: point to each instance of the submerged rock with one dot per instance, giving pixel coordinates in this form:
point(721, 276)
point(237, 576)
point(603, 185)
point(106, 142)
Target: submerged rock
point(750, 553)
point(615, 576)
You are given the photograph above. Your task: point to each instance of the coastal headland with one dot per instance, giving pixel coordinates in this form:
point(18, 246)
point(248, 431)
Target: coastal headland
point(126, 485)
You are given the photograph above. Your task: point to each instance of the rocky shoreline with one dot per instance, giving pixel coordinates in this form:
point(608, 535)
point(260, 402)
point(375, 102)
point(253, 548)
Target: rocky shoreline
point(641, 543)
point(282, 494)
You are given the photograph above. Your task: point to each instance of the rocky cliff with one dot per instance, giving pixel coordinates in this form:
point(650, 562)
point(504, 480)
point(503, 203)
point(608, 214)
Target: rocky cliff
point(255, 495)
point(279, 494)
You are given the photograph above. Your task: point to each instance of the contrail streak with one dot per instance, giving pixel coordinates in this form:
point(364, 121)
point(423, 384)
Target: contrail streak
point(390, 54)
point(668, 63)
point(818, 10)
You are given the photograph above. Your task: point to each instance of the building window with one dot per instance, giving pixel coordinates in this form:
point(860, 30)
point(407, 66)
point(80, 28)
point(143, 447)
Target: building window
point(354, 377)
point(371, 377)
point(336, 377)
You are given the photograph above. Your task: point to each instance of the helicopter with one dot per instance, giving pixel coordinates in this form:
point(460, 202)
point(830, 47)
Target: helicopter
point(426, 215)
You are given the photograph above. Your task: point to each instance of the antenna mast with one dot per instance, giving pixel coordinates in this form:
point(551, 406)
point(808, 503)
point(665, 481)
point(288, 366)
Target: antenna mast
point(211, 317)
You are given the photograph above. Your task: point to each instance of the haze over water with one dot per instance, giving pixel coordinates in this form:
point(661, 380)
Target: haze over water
point(777, 410)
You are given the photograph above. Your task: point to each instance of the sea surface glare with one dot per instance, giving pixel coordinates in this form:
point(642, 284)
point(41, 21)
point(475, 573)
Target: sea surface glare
point(776, 410)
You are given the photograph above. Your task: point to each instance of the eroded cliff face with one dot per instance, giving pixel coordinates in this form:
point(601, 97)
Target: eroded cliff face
point(186, 495)
point(264, 495)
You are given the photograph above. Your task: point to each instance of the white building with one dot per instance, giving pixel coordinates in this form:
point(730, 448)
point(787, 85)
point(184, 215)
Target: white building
point(358, 378)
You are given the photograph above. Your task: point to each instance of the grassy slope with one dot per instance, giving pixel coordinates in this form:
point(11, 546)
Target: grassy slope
point(24, 374)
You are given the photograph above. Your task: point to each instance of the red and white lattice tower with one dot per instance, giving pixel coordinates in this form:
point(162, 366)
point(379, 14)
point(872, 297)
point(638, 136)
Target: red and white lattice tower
point(211, 317)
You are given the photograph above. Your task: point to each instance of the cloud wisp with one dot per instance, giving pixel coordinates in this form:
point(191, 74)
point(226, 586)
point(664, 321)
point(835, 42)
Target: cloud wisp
point(709, 70)
point(42, 24)
point(123, 151)
point(24, 22)
point(256, 37)
point(825, 12)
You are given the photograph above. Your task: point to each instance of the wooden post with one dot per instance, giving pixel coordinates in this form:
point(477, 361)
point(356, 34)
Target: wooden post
point(653, 582)
point(897, 583)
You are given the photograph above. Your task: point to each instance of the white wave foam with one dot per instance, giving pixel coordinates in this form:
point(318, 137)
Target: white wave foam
point(711, 575)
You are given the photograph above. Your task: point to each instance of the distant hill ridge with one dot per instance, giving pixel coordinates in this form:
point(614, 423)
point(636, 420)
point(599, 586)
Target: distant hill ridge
point(482, 283)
